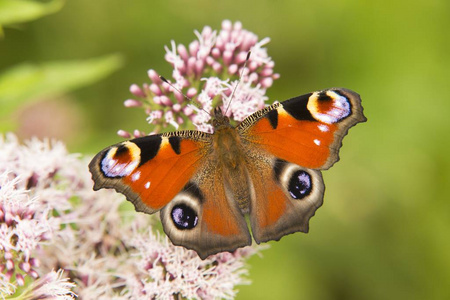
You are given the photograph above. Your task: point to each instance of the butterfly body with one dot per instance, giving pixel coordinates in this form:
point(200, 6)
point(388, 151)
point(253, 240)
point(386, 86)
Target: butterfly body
point(268, 167)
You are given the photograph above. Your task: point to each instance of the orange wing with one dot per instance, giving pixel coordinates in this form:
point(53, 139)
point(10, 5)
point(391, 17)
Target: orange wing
point(285, 197)
point(150, 170)
point(306, 130)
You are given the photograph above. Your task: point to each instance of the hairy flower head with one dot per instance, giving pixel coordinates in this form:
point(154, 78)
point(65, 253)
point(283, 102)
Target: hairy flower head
point(207, 71)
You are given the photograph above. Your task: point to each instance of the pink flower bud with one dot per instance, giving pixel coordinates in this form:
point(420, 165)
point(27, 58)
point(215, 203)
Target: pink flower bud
point(25, 266)
point(124, 134)
point(266, 72)
point(227, 25)
point(209, 60)
point(217, 67)
point(154, 88)
point(33, 274)
point(253, 77)
point(19, 279)
point(166, 100)
point(179, 97)
point(166, 87)
point(227, 57)
point(154, 76)
point(220, 44)
point(8, 218)
point(193, 48)
point(9, 264)
point(176, 107)
point(132, 103)
point(187, 110)
point(137, 91)
point(191, 65)
point(191, 92)
point(266, 82)
point(207, 31)
point(234, 36)
point(138, 133)
point(241, 57)
point(199, 64)
point(248, 41)
point(157, 100)
point(180, 66)
point(232, 69)
point(215, 53)
point(9, 274)
point(252, 65)
point(182, 51)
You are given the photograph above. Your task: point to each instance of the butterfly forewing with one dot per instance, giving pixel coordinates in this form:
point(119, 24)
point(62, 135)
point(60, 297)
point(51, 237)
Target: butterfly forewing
point(150, 170)
point(306, 130)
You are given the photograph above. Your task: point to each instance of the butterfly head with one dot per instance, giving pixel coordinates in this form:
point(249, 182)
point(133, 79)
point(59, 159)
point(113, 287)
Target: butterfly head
point(219, 120)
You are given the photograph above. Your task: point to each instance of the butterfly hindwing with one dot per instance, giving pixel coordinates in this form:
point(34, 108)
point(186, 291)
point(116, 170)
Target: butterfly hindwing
point(150, 170)
point(306, 130)
point(203, 217)
point(285, 196)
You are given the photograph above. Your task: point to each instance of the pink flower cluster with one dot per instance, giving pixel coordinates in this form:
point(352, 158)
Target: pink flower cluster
point(51, 219)
point(176, 271)
point(207, 71)
point(22, 227)
point(31, 205)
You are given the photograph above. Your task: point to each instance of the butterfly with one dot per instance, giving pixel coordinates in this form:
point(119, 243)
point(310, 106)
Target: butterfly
point(269, 167)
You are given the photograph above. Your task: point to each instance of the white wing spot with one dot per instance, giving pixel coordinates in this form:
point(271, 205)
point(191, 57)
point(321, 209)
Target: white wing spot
point(317, 142)
point(323, 128)
point(136, 176)
point(147, 185)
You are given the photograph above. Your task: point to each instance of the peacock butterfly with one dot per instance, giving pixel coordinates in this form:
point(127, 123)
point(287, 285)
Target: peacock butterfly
point(269, 167)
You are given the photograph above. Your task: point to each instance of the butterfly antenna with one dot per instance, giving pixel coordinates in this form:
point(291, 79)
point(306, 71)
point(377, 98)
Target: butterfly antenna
point(185, 96)
point(240, 79)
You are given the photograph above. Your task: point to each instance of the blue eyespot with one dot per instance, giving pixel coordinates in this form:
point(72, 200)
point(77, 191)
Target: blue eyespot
point(300, 185)
point(184, 217)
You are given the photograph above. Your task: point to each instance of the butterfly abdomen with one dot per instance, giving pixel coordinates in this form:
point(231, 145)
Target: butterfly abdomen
point(230, 159)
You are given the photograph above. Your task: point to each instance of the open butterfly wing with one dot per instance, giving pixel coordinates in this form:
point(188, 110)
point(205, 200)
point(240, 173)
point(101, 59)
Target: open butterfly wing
point(306, 130)
point(150, 170)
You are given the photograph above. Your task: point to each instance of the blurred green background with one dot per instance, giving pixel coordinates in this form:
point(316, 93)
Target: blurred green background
point(383, 232)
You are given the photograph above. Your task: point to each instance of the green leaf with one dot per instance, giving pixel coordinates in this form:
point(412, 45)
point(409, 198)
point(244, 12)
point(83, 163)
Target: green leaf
point(27, 82)
point(19, 11)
